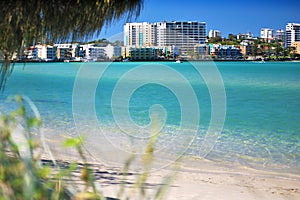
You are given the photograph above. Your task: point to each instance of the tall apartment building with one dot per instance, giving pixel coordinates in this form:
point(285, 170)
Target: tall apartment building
point(267, 34)
point(184, 35)
point(292, 33)
point(280, 35)
point(214, 33)
point(140, 34)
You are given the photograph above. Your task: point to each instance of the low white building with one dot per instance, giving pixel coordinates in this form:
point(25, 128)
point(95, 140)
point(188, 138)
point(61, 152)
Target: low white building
point(66, 51)
point(214, 33)
point(74, 52)
point(39, 52)
point(99, 53)
point(246, 36)
point(267, 34)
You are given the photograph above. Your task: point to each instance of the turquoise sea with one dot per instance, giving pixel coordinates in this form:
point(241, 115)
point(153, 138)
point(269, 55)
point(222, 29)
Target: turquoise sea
point(114, 101)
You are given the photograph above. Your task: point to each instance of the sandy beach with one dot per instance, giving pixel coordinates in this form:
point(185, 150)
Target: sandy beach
point(199, 179)
point(193, 179)
point(212, 184)
point(198, 184)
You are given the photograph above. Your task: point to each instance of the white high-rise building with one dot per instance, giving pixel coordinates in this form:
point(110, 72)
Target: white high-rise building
point(184, 35)
point(214, 33)
point(267, 34)
point(292, 33)
point(139, 34)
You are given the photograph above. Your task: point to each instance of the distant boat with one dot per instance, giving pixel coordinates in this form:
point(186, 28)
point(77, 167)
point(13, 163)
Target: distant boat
point(178, 61)
point(260, 62)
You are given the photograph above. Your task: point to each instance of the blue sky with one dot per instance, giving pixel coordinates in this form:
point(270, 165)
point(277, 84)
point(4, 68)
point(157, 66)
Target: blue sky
point(228, 16)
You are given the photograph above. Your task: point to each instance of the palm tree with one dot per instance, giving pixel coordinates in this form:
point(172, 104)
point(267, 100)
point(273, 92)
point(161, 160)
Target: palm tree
point(25, 23)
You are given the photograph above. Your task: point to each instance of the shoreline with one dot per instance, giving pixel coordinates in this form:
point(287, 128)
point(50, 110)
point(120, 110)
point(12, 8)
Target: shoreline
point(167, 60)
point(191, 162)
point(201, 179)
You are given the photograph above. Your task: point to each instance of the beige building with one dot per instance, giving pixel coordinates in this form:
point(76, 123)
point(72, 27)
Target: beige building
point(297, 46)
point(244, 49)
point(140, 34)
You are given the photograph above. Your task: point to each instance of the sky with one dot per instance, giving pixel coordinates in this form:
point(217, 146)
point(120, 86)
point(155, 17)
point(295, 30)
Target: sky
point(228, 16)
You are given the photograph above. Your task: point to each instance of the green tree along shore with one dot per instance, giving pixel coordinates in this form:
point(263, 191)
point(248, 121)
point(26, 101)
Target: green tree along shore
point(39, 22)
point(273, 50)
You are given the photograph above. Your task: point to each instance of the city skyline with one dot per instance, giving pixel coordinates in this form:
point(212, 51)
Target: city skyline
point(234, 17)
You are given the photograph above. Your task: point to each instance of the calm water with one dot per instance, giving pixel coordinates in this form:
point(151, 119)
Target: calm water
point(262, 124)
